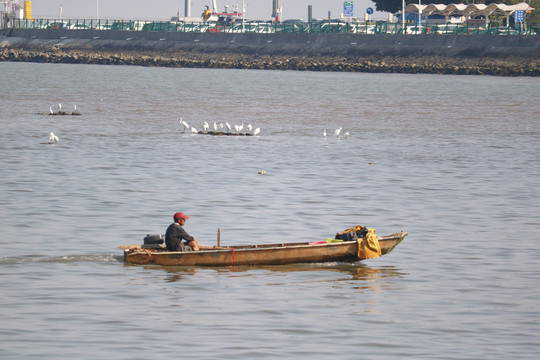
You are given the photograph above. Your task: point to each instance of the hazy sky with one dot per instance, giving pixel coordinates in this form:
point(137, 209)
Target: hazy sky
point(164, 9)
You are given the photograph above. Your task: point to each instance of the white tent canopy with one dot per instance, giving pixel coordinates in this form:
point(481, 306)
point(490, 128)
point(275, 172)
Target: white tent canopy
point(470, 10)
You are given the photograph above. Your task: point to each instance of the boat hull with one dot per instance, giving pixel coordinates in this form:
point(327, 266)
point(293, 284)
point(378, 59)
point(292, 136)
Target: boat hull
point(270, 254)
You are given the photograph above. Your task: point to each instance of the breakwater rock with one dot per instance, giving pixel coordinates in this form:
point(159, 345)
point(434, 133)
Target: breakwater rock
point(387, 55)
point(509, 66)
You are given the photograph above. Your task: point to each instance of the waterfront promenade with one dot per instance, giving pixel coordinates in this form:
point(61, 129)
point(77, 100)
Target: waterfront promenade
point(517, 55)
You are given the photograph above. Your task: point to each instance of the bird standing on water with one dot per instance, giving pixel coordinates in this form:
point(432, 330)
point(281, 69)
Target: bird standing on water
point(184, 124)
point(53, 138)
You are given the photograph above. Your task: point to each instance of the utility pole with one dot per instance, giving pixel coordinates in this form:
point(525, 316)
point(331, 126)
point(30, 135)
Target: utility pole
point(420, 14)
point(403, 17)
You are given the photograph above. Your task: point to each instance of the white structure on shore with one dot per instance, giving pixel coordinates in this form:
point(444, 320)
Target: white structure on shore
point(468, 11)
point(9, 9)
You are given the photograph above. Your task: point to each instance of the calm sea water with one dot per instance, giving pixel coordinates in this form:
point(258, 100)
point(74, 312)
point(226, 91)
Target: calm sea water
point(453, 160)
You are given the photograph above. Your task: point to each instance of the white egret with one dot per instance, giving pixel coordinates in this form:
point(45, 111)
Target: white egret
point(324, 133)
point(194, 131)
point(206, 127)
point(241, 127)
point(215, 126)
point(221, 126)
point(59, 107)
point(75, 111)
point(53, 138)
point(256, 131)
point(249, 127)
point(184, 124)
point(346, 135)
point(51, 112)
point(337, 131)
point(180, 121)
point(237, 128)
point(228, 126)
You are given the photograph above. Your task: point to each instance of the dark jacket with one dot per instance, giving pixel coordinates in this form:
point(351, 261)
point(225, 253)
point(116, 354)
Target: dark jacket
point(174, 236)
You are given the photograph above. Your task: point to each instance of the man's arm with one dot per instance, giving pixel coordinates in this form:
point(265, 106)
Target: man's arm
point(184, 235)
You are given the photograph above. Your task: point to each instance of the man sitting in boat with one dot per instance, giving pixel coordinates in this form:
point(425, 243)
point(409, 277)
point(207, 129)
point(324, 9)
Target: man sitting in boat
point(176, 233)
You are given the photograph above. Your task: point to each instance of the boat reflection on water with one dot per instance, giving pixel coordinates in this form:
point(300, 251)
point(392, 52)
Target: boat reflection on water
point(366, 275)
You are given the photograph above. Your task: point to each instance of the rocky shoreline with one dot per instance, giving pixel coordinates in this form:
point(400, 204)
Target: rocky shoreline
point(436, 64)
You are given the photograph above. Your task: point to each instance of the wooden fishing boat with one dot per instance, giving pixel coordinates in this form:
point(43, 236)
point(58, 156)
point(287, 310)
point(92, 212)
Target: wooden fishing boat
point(266, 254)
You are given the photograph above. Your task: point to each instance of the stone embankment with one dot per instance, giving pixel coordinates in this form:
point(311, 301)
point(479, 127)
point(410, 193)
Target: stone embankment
point(509, 66)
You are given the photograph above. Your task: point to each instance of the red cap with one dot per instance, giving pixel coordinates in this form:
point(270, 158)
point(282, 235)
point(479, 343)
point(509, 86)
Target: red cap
point(180, 215)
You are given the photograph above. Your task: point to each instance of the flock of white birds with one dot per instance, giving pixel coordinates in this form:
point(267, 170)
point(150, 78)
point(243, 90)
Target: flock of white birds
point(53, 139)
point(337, 132)
point(62, 112)
point(223, 127)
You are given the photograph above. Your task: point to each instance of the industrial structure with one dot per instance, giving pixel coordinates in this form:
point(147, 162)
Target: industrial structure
point(11, 9)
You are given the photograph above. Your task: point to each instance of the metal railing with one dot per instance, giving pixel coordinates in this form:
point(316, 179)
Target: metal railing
point(267, 27)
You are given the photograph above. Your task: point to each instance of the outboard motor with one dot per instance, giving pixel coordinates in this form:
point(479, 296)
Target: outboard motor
point(153, 239)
